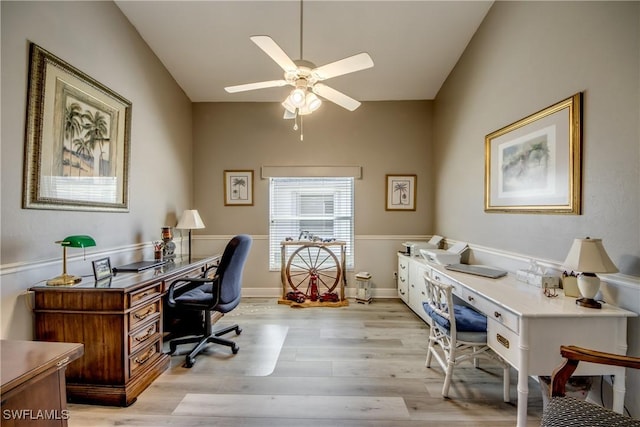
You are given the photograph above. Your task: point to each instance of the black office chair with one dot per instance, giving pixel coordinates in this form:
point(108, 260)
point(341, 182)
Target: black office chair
point(220, 293)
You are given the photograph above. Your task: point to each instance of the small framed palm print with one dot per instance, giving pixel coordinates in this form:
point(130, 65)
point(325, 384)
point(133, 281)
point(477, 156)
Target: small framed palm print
point(238, 188)
point(401, 192)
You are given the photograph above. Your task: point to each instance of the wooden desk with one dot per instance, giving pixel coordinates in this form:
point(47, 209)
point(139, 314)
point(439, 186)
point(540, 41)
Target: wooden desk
point(121, 325)
point(33, 382)
point(527, 328)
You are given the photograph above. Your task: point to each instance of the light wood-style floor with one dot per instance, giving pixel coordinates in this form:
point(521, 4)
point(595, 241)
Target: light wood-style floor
point(360, 365)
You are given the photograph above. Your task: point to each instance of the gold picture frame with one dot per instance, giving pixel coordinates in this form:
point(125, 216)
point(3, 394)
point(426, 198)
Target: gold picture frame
point(401, 192)
point(238, 188)
point(534, 164)
point(76, 141)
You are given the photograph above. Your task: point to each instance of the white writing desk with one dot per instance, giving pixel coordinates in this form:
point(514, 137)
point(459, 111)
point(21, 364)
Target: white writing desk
point(527, 328)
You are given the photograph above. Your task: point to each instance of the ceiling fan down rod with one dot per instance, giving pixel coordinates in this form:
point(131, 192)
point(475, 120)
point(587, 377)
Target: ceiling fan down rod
point(301, 15)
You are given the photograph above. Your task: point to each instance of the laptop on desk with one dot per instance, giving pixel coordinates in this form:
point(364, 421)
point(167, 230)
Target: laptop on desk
point(138, 266)
point(477, 270)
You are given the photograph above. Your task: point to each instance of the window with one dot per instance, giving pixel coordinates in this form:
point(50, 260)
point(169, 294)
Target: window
point(320, 206)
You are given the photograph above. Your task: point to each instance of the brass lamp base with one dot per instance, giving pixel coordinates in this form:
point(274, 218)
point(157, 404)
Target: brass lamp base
point(64, 280)
point(588, 302)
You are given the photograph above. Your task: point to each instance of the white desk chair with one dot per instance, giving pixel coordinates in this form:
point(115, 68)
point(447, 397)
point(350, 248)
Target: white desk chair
point(462, 337)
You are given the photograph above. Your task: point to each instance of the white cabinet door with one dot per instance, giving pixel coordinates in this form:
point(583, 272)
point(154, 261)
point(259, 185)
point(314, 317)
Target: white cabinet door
point(403, 277)
point(417, 288)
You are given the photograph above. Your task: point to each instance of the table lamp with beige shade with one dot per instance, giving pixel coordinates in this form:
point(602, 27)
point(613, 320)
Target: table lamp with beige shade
point(588, 257)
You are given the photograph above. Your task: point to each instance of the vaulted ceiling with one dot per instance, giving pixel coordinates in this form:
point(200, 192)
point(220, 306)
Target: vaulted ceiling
point(205, 45)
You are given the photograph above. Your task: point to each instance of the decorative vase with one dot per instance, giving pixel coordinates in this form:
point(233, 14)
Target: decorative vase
point(168, 249)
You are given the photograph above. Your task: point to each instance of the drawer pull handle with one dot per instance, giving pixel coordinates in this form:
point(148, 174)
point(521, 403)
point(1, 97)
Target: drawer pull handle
point(144, 358)
point(402, 279)
point(63, 362)
point(146, 336)
point(145, 314)
point(497, 314)
point(502, 340)
point(471, 299)
point(402, 266)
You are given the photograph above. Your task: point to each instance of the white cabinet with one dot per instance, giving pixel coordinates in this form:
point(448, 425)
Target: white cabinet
point(403, 277)
point(418, 288)
point(411, 287)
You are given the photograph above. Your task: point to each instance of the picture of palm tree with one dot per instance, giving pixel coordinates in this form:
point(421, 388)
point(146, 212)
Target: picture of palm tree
point(401, 188)
point(401, 192)
point(85, 148)
point(78, 134)
point(239, 188)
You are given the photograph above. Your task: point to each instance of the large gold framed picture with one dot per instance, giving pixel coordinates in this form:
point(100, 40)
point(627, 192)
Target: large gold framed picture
point(534, 164)
point(77, 139)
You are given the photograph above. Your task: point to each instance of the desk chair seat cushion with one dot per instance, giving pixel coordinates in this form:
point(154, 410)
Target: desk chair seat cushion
point(572, 412)
point(470, 325)
point(201, 296)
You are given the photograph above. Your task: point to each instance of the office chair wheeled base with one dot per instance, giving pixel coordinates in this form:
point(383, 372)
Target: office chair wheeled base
point(203, 340)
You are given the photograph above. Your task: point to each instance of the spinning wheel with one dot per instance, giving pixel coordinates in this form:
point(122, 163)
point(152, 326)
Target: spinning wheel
point(312, 270)
point(313, 264)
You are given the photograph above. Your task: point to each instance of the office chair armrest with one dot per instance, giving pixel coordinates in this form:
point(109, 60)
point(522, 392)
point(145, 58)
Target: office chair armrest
point(205, 273)
point(185, 284)
point(574, 354)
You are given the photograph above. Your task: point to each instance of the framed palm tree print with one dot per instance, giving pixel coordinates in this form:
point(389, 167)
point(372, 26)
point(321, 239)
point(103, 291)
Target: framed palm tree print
point(401, 192)
point(77, 139)
point(238, 188)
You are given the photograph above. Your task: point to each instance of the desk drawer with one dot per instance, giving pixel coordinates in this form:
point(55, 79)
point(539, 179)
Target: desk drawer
point(141, 296)
point(144, 335)
point(144, 313)
point(457, 287)
point(491, 310)
point(403, 269)
point(504, 341)
point(142, 358)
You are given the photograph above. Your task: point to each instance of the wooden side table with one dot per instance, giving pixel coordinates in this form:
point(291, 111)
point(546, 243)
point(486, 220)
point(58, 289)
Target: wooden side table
point(33, 382)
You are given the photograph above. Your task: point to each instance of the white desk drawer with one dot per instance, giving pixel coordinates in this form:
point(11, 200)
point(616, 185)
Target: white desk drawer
point(403, 269)
point(491, 310)
point(504, 341)
point(457, 287)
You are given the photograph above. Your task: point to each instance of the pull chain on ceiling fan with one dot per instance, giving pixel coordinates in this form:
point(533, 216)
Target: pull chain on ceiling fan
point(306, 79)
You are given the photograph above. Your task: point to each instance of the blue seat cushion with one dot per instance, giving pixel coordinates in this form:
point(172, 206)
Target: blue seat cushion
point(467, 319)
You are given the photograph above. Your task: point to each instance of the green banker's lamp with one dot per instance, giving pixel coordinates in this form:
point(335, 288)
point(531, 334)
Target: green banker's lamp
point(70, 242)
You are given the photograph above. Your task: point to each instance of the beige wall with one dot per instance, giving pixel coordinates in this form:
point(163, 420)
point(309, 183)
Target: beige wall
point(96, 38)
point(525, 57)
point(381, 137)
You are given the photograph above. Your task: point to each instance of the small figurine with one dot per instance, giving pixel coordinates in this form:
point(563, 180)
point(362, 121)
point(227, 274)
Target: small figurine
point(169, 247)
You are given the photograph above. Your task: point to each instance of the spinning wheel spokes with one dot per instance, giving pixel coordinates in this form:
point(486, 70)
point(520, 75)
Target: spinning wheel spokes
point(309, 262)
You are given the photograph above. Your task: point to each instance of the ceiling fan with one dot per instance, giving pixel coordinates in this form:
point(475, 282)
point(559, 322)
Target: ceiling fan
point(306, 78)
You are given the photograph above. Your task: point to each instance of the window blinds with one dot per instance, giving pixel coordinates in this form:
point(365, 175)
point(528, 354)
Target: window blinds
point(319, 206)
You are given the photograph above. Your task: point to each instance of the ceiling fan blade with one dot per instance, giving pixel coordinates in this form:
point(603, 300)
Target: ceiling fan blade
point(335, 96)
point(257, 85)
point(276, 53)
point(351, 64)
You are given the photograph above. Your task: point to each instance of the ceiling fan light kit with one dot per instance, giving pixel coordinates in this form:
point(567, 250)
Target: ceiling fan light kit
point(305, 77)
